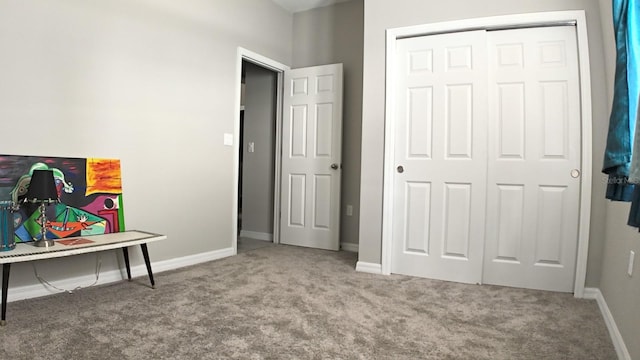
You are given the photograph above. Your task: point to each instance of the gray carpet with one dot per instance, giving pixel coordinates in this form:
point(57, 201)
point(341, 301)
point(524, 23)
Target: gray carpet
point(282, 302)
point(248, 244)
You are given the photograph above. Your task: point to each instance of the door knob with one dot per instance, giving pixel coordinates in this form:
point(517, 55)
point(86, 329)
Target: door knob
point(575, 173)
point(334, 166)
point(400, 169)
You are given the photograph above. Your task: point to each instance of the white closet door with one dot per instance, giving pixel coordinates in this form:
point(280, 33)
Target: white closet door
point(533, 192)
point(440, 151)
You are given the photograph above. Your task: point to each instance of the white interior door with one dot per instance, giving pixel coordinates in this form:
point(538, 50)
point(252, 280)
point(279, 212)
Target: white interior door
point(440, 157)
point(533, 192)
point(311, 157)
point(488, 186)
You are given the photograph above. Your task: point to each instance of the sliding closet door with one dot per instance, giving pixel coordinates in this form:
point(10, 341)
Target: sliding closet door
point(440, 157)
point(533, 193)
point(487, 157)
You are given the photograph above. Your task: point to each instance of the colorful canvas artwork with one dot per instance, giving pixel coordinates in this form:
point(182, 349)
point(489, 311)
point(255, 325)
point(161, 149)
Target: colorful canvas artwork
point(90, 193)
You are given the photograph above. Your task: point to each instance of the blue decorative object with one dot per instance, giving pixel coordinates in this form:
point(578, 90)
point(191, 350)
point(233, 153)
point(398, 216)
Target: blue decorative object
point(622, 122)
point(7, 237)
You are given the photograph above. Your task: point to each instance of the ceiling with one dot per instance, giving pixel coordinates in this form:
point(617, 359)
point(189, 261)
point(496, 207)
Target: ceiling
point(295, 6)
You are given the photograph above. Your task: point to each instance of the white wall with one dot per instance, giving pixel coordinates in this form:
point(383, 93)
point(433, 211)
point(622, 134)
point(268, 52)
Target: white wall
point(151, 82)
point(258, 166)
point(621, 292)
point(334, 34)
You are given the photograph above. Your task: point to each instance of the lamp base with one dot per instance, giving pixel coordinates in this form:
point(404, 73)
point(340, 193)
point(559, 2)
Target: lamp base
point(44, 243)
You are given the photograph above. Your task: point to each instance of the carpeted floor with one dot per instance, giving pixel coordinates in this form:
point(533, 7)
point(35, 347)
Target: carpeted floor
point(248, 244)
point(282, 302)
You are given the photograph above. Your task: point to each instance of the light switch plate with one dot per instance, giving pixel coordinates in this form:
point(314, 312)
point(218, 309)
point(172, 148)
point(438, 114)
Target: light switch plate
point(228, 139)
point(252, 147)
point(632, 256)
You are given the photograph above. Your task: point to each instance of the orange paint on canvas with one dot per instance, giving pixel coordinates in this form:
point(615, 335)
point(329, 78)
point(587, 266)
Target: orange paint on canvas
point(103, 176)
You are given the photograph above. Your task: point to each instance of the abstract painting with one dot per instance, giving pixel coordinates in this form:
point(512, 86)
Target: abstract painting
point(89, 190)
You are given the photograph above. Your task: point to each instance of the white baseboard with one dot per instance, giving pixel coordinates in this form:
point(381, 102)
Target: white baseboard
point(369, 267)
point(616, 337)
point(184, 261)
point(351, 247)
point(37, 290)
point(256, 235)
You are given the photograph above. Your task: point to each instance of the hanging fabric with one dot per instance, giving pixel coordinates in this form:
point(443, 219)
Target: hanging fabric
point(634, 175)
point(618, 152)
point(633, 81)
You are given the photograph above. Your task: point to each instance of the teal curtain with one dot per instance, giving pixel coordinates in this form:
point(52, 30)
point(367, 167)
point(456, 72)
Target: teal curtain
point(622, 122)
point(626, 17)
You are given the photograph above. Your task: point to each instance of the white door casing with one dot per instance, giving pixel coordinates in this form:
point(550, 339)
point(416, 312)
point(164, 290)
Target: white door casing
point(440, 161)
point(533, 191)
point(576, 17)
point(278, 68)
point(311, 157)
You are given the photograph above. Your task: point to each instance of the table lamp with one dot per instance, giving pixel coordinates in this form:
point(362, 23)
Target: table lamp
point(42, 190)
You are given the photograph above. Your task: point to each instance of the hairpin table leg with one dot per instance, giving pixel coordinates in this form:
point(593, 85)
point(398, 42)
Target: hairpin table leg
point(145, 254)
point(5, 288)
point(125, 252)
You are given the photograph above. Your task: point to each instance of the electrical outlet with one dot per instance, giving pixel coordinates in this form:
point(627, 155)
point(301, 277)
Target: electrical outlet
point(632, 256)
point(349, 210)
point(252, 146)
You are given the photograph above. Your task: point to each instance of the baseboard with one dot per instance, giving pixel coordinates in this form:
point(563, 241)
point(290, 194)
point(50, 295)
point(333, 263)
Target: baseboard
point(38, 290)
point(616, 337)
point(106, 277)
point(256, 235)
point(351, 247)
point(184, 261)
point(371, 268)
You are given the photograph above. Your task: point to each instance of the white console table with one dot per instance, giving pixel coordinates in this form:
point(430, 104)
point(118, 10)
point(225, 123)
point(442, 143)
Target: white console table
point(75, 246)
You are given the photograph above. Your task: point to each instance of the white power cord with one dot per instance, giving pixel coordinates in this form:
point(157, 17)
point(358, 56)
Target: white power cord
point(46, 283)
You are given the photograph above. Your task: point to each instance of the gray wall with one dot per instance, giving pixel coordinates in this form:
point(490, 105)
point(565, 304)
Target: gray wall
point(258, 166)
point(334, 34)
point(621, 292)
point(151, 82)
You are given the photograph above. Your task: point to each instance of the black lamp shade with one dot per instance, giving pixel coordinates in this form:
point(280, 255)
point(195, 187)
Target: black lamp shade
point(42, 187)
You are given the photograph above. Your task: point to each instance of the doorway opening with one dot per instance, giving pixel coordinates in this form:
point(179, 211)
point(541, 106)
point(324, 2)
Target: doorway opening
point(304, 206)
point(257, 130)
point(256, 142)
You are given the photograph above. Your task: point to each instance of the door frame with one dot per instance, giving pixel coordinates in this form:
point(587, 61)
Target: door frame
point(269, 64)
point(496, 22)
